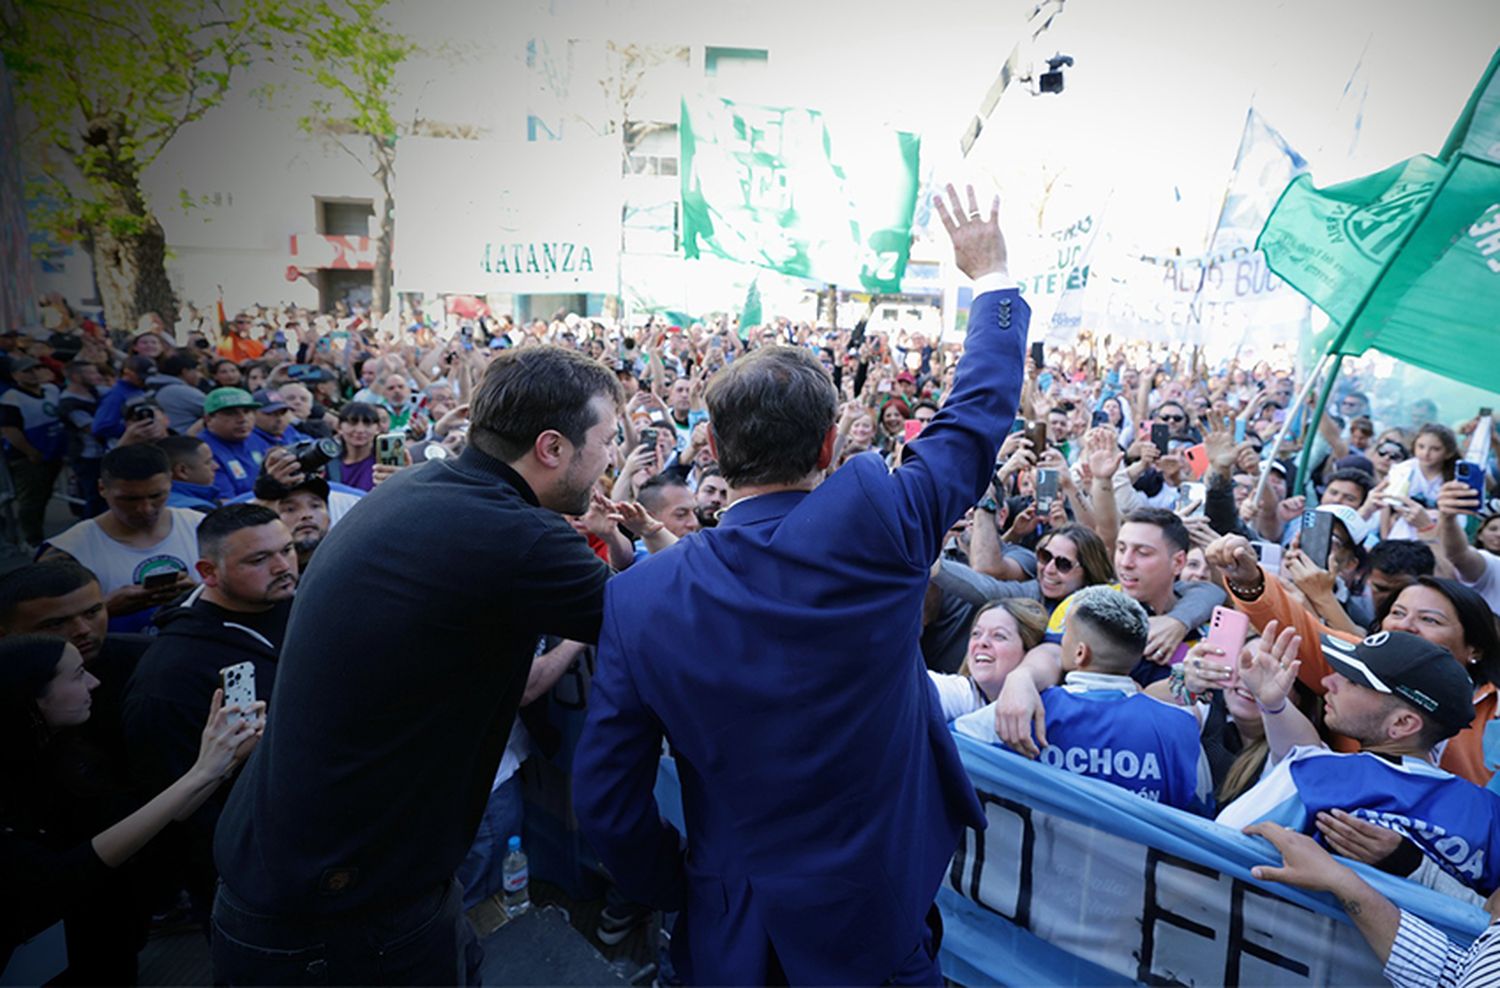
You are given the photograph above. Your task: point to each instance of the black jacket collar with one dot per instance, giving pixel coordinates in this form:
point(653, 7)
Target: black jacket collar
point(475, 460)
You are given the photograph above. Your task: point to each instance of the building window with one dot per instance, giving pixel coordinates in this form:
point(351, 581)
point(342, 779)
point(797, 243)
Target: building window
point(345, 217)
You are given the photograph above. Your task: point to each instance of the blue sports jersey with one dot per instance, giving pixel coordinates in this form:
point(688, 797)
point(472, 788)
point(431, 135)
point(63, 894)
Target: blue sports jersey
point(1105, 728)
point(1454, 822)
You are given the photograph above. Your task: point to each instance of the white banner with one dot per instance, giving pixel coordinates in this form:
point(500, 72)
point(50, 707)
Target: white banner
point(476, 217)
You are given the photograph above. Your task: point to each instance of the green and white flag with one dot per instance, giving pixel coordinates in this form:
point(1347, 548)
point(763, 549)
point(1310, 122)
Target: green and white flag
point(782, 188)
point(1407, 261)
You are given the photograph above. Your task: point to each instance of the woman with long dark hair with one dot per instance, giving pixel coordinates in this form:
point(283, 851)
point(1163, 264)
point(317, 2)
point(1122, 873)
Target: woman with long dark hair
point(63, 829)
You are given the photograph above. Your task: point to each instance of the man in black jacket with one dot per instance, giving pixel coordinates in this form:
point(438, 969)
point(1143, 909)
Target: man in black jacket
point(405, 661)
point(238, 614)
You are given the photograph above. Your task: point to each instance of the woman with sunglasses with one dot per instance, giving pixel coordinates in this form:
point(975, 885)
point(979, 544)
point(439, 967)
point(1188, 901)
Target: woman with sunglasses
point(1067, 559)
point(1444, 612)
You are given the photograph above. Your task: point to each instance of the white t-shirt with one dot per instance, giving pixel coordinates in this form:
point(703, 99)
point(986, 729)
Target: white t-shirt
point(1417, 486)
point(117, 564)
point(957, 695)
point(1488, 584)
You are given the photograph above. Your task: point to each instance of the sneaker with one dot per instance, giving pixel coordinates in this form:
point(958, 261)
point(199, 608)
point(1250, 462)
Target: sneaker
point(618, 919)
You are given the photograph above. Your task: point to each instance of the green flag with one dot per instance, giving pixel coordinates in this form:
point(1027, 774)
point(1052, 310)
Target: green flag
point(750, 314)
point(780, 188)
point(1406, 261)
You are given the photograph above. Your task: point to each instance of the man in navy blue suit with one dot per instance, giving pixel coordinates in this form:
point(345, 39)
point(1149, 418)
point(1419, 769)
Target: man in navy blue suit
point(778, 654)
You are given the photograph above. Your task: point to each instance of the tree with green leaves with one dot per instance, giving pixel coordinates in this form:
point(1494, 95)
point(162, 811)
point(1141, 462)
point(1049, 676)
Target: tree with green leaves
point(105, 85)
point(349, 51)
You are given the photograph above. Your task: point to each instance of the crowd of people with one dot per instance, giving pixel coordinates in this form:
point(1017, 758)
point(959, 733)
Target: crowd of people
point(1142, 594)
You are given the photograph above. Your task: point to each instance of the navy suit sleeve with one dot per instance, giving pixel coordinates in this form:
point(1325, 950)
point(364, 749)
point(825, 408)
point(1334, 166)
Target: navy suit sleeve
point(614, 777)
point(946, 469)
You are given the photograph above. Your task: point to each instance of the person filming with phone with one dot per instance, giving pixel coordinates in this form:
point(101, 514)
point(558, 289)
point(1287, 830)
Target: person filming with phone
point(248, 565)
point(66, 837)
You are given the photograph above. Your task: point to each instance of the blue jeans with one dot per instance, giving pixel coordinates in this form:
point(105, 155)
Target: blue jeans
point(424, 941)
point(482, 871)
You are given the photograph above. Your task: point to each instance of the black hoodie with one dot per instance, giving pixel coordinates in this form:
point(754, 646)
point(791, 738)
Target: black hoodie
point(167, 699)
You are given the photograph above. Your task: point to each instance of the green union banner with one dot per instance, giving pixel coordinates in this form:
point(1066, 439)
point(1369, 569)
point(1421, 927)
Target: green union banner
point(1407, 261)
point(780, 188)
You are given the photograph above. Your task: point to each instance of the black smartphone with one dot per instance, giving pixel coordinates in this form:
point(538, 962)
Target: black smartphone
point(1100, 417)
point(1038, 355)
point(1160, 436)
point(160, 580)
point(1317, 538)
point(1037, 433)
point(1486, 411)
point(648, 438)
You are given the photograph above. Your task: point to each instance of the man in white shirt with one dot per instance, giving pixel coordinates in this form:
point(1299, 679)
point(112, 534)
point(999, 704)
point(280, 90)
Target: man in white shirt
point(138, 542)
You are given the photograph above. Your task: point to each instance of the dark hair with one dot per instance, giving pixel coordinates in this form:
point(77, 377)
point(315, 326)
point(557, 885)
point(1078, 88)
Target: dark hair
point(180, 449)
point(769, 412)
point(138, 462)
point(221, 362)
point(221, 523)
point(653, 490)
point(177, 362)
point(712, 470)
point(1362, 423)
point(530, 390)
point(925, 403)
point(1478, 624)
point(359, 411)
point(75, 368)
point(38, 581)
point(1171, 526)
point(1093, 554)
point(1352, 475)
point(27, 665)
point(140, 366)
point(1397, 556)
point(1447, 438)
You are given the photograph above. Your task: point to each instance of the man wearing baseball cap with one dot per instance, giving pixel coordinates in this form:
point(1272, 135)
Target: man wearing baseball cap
point(303, 508)
point(273, 419)
point(229, 430)
point(1401, 697)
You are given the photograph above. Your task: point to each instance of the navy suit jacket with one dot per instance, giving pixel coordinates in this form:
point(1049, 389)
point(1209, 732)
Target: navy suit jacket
point(778, 654)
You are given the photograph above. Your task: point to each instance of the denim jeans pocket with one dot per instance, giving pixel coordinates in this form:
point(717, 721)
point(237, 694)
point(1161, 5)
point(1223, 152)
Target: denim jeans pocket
point(426, 953)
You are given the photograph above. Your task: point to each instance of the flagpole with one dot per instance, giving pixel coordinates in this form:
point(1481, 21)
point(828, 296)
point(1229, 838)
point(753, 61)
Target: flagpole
point(1336, 347)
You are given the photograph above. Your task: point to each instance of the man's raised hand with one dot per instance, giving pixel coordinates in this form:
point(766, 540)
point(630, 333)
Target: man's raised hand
point(978, 244)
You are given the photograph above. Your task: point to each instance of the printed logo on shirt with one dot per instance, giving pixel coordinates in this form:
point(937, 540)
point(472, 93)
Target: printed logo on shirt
point(236, 469)
point(1461, 858)
point(157, 564)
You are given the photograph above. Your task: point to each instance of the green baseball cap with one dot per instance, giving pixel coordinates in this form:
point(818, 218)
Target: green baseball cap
point(219, 399)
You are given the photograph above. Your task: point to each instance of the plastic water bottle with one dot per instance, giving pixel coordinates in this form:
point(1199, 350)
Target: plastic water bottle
point(516, 875)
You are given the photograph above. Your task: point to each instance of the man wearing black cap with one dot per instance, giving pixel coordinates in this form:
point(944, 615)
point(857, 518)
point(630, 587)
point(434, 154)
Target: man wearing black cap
point(303, 508)
point(35, 442)
point(1400, 697)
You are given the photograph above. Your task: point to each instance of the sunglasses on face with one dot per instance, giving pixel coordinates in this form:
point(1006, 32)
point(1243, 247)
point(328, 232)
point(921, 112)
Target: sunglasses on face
point(1173, 418)
point(1063, 563)
point(1394, 452)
